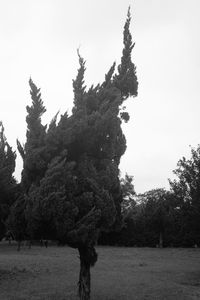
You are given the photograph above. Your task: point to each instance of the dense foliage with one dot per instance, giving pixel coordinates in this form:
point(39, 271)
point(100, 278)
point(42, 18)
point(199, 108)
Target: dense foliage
point(8, 184)
point(186, 189)
point(70, 189)
point(147, 220)
point(163, 218)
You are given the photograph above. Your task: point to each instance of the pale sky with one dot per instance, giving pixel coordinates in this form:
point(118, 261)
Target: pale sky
point(39, 39)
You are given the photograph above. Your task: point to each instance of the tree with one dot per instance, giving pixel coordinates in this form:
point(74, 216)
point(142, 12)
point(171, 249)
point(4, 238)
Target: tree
point(151, 221)
point(79, 195)
point(128, 193)
point(158, 211)
point(187, 192)
point(7, 181)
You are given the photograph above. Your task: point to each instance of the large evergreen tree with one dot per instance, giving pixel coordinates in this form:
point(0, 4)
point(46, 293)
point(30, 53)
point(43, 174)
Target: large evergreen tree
point(79, 195)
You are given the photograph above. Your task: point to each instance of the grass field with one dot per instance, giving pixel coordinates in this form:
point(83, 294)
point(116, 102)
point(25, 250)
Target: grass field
point(120, 273)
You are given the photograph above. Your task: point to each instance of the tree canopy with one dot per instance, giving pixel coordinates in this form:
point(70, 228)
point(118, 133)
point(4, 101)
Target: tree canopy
point(70, 177)
point(186, 188)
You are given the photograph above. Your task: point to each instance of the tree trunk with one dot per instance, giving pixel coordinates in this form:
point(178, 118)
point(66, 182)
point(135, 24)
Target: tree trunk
point(84, 276)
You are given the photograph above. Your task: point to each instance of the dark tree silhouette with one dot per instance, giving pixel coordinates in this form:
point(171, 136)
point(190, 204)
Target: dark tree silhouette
point(77, 194)
point(186, 189)
point(7, 181)
point(158, 212)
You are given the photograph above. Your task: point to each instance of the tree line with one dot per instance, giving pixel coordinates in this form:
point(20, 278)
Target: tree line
point(160, 217)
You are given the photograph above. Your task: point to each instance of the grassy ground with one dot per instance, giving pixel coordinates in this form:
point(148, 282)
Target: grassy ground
point(120, 273)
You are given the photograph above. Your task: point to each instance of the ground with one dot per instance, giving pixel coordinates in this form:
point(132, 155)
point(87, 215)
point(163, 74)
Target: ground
point(120, 273)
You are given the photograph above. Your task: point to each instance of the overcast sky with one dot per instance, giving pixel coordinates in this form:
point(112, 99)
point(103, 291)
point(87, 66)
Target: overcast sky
point(39, 39)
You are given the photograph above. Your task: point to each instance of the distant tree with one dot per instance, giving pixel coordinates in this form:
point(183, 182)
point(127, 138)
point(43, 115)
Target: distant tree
point(80, 194)
point(187, 192)
point(134, 231)
point(158, 211)
point(7, 181)
point(128, 193)
point(150, 221)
